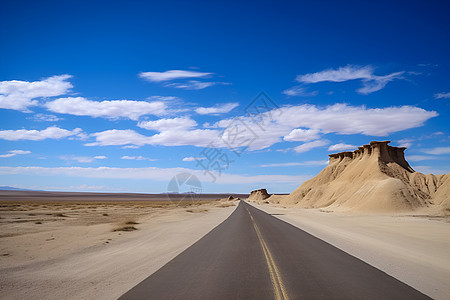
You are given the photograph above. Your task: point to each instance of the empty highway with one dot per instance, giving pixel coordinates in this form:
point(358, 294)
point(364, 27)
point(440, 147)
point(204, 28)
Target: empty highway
point(253, 255)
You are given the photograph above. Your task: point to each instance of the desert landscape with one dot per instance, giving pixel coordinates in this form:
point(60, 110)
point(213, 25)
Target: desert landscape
point(80, 245)
point(250, 150)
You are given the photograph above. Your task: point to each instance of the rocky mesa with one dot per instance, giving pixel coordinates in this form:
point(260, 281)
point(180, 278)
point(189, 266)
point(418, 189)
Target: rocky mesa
point(373, 178)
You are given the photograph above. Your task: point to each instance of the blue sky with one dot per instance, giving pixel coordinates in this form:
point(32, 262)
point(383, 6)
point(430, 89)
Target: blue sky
point(122, 96)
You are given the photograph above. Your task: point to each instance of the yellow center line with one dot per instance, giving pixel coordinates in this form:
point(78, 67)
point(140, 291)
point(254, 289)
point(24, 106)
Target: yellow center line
point(277, 282)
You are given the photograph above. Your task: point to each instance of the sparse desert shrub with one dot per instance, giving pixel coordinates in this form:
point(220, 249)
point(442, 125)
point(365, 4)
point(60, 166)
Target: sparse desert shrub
point(226, 205)
point(197, 210)
point(60, 215)
point(125, 228)
point(131, 223)
point(105, 215)
point(38, 222)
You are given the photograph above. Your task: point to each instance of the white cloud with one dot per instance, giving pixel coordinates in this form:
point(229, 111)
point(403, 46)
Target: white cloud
point(338, 118)
point(302, 135)
point(81, 159)
point(291, 164)
point(152, 173)
point(80, 106)
point(442, 95)
point(194, 84)
point(12, 153)
point(39, 135)
point(117, 137)
point(137, 158)
point(345, 119)
point(438, 150)
point(191, 158)
point(371, 82)
point(217, 109)
point(299, 91)
point(311, 145)
point(195, 137)
point(20, 95)
point(419, 157)
point(342, 147)
point(180, 123)
point(171, 75)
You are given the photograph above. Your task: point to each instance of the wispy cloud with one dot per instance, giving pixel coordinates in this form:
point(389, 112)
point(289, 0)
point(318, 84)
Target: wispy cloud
point(20, 95)
point(137, 158)
point(81, 159)
point(341, 74)
point(293, 164)
point(311, 145)
point(45, 118)
point(217, 109)
point(430, 170)
point(377, 83)
point(342, 147)
point(299, 91)
point(114, 109)
point(12, 153)
point(371, 82)
point(438, 150)
point(442, 95)
point(172, 75)
point(39, 135)
point(405, 143)
point(420, 157)
point(195, 85)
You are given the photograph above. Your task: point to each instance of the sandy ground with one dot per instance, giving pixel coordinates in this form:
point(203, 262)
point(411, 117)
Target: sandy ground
point(415, 250)
point(51, 250)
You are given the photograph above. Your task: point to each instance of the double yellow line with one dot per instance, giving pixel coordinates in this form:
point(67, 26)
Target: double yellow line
point(278, 286)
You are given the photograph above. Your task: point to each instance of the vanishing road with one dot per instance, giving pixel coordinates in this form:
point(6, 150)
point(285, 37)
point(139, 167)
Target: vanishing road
point(253, 255)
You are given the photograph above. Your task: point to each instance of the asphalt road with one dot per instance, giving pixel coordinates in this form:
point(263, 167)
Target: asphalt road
point(253, 255)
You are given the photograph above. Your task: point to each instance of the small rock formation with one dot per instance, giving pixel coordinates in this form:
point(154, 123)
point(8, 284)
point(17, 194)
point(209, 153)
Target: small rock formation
point(374, 178)
point(258, 195)
point(230, 198)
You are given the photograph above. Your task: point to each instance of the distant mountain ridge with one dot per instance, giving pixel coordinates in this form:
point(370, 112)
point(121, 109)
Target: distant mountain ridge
point(10, 188)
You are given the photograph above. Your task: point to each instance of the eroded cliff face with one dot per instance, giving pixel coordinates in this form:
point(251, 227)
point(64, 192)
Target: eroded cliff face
point(376, 150)
point(373, 178)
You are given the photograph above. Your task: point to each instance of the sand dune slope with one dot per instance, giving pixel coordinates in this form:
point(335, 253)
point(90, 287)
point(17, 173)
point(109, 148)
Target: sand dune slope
point(374, 178)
